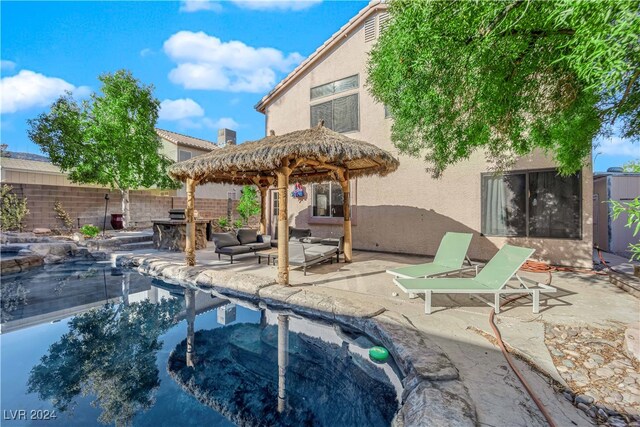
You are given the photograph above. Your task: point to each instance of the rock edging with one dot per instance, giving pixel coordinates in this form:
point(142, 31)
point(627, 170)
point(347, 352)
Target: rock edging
point(433, 391)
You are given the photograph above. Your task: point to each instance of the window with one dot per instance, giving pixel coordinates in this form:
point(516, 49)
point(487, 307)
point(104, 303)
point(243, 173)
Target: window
point(340, 114)
point(184, 155)
point(327, 200)
point(335, 87)
point(532, 204)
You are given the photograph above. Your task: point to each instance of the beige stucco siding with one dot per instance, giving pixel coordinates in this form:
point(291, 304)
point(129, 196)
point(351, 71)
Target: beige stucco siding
point(408, 211)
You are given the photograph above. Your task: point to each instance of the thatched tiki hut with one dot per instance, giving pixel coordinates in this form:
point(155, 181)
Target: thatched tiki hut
point(306, 156)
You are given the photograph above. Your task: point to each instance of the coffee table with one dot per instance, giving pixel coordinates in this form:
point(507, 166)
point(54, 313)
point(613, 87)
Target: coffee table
point(270, 255)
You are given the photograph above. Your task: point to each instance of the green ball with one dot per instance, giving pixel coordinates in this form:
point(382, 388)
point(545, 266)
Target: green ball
point(379, 354)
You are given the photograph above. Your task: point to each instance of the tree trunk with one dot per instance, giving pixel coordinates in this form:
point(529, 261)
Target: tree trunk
point(126, 213)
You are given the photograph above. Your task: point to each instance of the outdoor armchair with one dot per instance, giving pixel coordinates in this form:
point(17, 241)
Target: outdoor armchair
point(492, 279)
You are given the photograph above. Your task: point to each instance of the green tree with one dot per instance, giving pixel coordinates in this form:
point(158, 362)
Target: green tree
point(632, 166)
point(632, 212)
point(249, 204)
point(109, 139)
point(13, 209)
point(109, 353)
point(508, 77)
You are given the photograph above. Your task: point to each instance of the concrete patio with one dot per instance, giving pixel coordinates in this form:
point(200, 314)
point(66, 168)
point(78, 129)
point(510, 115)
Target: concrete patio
point(461, 327)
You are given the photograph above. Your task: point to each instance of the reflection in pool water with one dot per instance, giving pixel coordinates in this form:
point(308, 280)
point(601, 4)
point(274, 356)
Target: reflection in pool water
point(110, 360)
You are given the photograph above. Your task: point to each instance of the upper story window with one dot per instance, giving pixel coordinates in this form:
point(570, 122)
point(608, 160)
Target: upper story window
point(532, 204)
point(340, 114)
point(184, 155)
point(335, 87)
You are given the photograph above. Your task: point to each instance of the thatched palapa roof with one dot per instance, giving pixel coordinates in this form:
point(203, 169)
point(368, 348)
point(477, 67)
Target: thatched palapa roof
point(312, 154)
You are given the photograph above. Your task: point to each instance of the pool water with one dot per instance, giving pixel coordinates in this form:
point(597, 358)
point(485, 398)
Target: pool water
point(83, 344)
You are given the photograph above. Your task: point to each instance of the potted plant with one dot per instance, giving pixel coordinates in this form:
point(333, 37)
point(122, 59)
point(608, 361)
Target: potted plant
point(116, 221)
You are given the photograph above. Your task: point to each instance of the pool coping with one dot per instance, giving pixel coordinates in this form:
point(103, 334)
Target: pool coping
point(433, 392)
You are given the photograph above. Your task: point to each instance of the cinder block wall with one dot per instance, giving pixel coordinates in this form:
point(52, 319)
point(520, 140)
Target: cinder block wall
point(86, 205)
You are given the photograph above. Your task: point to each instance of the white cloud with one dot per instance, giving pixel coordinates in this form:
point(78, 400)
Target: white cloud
point(189, 6)
point(29, 89)
point(223, 122)
point(178, 109)
point(7, 65)
point(276, 4)
point(146, 52)
point(206, 62)
point(616, 146)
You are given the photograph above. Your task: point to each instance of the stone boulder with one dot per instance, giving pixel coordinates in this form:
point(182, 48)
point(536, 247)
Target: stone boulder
point(632, 342)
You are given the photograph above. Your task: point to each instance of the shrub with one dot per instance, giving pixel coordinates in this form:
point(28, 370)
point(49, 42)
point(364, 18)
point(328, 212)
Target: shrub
point(63, 216)
point(249, 204)
point(238, 223)
point(223, 222)
point(13, 209)
point(632, 211)
point(89, 230)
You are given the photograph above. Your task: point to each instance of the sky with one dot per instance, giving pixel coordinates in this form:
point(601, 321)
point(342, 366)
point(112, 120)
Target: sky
point(209, 61)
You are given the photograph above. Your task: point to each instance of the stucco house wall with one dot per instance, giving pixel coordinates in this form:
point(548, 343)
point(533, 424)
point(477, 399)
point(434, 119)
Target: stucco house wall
point(408, 211)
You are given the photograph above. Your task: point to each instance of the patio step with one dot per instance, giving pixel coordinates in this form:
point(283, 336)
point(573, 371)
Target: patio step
point(136, 246)
point(120, 241)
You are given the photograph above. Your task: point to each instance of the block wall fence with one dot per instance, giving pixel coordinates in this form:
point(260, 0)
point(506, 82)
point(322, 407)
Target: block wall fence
point(86, 205)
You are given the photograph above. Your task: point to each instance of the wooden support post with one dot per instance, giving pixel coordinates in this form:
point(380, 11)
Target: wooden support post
point(190, 306)
point(346, 207)
point(283, 226)
point(190, 247)
point(263, 209)
point(283, 360)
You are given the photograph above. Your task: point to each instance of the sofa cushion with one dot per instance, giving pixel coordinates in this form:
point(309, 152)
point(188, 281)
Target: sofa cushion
point(299, 233)
point(322, 250)
point(234, 250)
point(247, 235)
point(258, 246)
point(299, 256)
point(222, 240)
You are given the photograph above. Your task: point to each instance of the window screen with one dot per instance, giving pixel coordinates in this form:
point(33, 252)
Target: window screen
point(554, 205)
point(184, 155)
point(335, 87)
point(340, 114)
point(324, 112)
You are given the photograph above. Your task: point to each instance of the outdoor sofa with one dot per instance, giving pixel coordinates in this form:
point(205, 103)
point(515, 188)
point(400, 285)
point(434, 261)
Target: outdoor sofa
point(310, 251)
point(305, 250)
point(243, 241)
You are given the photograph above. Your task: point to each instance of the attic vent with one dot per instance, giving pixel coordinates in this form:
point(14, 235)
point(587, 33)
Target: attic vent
point(369, 30)
point(383, 22)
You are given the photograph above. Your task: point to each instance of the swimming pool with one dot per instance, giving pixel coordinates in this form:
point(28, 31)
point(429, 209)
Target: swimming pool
point(84, 344)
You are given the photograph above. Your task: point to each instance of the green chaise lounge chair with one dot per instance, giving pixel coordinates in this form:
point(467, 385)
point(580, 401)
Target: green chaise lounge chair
point(492, 279)
point(449, 259)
